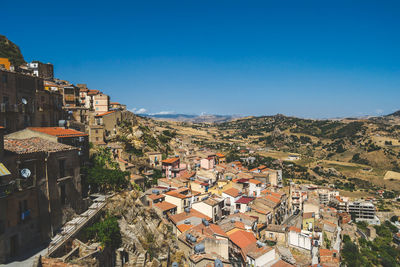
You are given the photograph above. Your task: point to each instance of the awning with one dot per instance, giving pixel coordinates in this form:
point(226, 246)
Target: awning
point(3, 170)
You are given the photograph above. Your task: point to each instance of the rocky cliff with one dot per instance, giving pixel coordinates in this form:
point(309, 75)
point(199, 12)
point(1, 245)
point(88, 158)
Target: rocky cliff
point(11, 51)
point(147, 240)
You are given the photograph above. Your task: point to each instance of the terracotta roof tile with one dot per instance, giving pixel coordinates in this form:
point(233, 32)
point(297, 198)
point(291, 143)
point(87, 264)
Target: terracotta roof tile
point(105, 113)
point(164, 206)
point(58, 131)
point(184, 215)
point(154, 196)
point(34, 145)
point(244, 200)
point(282, 263)
point(242, 238)
point(232, 192)
point(273, 199)
point(170, 160)
point(295, 229)
point(184, 227)
point(254, 181)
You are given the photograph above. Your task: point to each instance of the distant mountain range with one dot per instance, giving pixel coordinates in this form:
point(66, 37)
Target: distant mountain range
point(192, 118)
point(225, 118)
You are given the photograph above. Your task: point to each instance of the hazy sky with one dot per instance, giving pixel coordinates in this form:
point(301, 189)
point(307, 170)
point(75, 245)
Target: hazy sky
point(305, 58)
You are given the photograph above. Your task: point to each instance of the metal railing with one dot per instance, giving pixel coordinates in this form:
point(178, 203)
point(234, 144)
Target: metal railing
point(74, 226)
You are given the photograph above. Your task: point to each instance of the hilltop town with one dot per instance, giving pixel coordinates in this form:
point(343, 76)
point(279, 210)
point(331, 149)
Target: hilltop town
point(92, 184)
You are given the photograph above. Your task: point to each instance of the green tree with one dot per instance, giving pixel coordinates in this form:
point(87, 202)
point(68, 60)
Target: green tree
point(104, 180)
point(107, 232)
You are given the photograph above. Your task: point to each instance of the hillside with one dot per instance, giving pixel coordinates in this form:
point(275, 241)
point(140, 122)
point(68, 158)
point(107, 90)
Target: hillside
point(395, 114)
point(11, 51)
point(356, 148)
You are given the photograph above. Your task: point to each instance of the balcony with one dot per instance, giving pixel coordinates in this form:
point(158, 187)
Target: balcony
point(69, 98)
point(7, 107)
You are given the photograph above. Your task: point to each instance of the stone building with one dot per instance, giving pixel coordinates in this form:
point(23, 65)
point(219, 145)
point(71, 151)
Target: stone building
point(42, 70)
point(43, 181)
point(62, 135)
point(48, 105)
point(70, 95)
point(17, 100)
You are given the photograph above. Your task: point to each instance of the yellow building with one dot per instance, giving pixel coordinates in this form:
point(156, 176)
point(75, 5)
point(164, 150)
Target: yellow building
point(220, 158)
point(5, 62)
point(220, 187)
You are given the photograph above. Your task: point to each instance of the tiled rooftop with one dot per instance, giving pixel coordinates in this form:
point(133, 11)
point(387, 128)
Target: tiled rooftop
point(164, 206)
point(58, 131)
point(105, 113)
point(170, 160)
point(34, 145)
point(232, 192)
point(184, 215)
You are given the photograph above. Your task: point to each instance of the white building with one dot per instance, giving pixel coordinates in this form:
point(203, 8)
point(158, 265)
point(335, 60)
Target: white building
point(300, 239)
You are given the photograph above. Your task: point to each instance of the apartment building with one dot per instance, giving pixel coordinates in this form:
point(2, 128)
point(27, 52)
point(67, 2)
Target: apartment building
point(42, 70)
point(41, 180)
point(363, 211)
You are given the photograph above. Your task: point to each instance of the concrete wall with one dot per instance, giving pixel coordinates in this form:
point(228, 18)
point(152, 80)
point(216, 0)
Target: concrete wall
point(218, 246)
point(265, 259)
point(203, 208)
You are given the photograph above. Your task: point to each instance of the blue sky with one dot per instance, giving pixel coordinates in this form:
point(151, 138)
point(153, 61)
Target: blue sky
point(305, 58)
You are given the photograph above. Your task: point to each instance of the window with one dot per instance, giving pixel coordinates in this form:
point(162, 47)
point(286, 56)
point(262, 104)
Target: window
point(97, 131)
point(4, 78)
point(23, 210)
point(63, 197)
point(2, 227)
point(97, 102)
point(97, 139)
point(6, 100)
point(61, 166)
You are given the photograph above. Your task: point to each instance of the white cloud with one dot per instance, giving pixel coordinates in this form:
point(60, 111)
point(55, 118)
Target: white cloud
point(141, 111)
point(138, 110)
point(163, 113)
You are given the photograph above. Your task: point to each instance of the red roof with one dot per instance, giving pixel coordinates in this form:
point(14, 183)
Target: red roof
point(164, 206)
point(170, 160)
point(295, 229)
point(232, 192)
point(154, 196)
point(282, 263)
point(105, 113)
point(93, 92)
point(243, 180)
point(244, 200)
point(184, 227)
point(58, 131)
point(254, 181)
point(184, 215)
point(217, 229)
point(242, 238)
point(220, 155)
point(273, 199)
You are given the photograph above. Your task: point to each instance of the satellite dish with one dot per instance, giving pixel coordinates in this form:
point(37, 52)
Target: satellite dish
point(25, 173)
point(24, 101)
